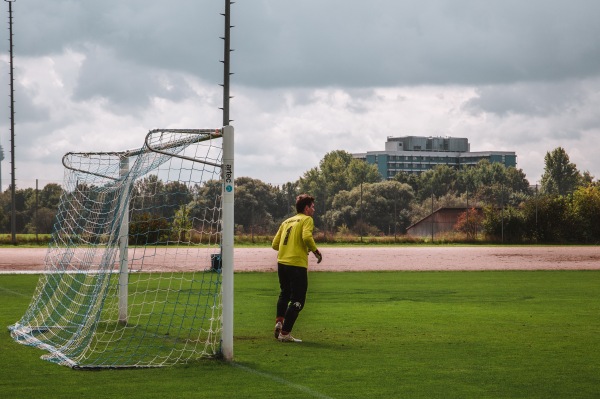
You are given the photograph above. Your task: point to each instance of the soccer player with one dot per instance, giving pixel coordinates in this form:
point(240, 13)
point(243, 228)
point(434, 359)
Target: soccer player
point(293, 241)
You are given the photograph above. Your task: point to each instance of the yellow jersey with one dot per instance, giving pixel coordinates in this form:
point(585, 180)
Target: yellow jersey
point(294, 240)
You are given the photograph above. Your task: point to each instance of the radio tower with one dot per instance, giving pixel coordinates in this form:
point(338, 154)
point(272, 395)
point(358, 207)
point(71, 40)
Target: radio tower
point(13, 211)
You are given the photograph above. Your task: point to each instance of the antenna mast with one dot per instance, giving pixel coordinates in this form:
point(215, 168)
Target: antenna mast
point(226, 62)
point(13, 212)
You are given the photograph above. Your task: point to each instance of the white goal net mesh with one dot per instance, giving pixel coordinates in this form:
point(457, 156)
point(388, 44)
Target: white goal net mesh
point(132, 276)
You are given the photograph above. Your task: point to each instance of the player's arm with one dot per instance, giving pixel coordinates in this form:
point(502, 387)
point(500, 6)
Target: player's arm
point(277, 239)
point(309, 241)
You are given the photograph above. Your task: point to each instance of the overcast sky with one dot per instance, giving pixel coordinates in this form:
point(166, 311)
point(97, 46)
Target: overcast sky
point(310, 77)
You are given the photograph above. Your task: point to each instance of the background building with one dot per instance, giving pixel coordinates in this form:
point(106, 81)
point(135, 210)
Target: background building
point(416, 154)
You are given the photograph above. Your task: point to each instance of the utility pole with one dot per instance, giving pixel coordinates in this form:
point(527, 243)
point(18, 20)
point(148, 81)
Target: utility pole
point(432, 213)
point(1, 159)
point(361, 210)
point(13, 212)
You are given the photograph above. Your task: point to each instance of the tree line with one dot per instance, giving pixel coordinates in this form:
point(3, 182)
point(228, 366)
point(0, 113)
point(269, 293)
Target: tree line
point(353, 198)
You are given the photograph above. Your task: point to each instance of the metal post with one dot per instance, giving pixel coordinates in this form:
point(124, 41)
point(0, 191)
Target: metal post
point(226, 62)
point(536, 213)
point(1, 159)
point(502, 212)
point(124, 243)
point(395, 215)
point(36, 212)
point(228, 198)
point(227, 243)
point(432, 213)
point(13, 213)
point(361, 211)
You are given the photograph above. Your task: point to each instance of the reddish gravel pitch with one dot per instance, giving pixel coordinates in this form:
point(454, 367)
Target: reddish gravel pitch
point(368, 258)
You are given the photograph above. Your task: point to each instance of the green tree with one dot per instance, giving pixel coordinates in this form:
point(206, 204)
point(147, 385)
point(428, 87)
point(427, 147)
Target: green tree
point(491, 184)
point(385, 205)
point(560, 174)
point(313, 182)
point(148, 229)
point(470, 223)
point(437, 181)
point(50, 195)
point(204, 209)
point(338, 171)
point(517, 182)
point(182, 223)
point(507, 224)
point(285, 201)
point(42, 222)
point(586, 210)
point(549, 219)
point(148, 194)
point(5, 212)
point(587, 179)
point(175, 194)
point(209, 194)
point(252, 201)
point(39, 211)
point(360, 172)
point(412, 179)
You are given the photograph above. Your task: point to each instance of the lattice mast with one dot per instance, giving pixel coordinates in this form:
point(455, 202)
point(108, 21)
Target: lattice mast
point(227, 62)
point(13, 188)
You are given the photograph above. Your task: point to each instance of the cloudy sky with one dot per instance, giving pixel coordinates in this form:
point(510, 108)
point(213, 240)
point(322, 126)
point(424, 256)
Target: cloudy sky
point(310, 77)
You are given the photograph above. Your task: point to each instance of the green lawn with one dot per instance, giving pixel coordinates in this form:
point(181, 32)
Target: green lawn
point(517, 334)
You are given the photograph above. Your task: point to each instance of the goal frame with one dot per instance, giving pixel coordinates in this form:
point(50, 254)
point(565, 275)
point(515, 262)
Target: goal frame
point(227, 242)
point(227, 224)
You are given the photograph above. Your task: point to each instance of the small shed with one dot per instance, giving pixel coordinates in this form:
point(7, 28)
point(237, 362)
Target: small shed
point(441, 220)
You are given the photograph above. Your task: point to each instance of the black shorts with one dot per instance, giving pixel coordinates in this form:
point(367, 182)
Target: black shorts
point(293, 282)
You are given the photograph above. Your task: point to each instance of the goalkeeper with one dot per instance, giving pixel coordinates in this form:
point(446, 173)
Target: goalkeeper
point(293, 241)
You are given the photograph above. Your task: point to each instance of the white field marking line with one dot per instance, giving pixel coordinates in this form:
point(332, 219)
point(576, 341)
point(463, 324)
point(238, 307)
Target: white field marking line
point(298, 387)
point(13, 292)
point(21, 272)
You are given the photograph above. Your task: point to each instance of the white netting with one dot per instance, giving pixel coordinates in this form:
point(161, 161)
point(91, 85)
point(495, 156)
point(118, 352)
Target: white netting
point(102, 303)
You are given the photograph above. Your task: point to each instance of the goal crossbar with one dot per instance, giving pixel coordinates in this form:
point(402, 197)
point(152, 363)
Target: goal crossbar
point(200, 135)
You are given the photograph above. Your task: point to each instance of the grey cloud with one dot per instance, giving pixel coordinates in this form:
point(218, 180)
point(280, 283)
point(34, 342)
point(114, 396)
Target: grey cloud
point(180, 34)
point(27, 110)
point(314, 43)
point(342, 73)
point(380, 43)
point(125, 85)
point(533, 99)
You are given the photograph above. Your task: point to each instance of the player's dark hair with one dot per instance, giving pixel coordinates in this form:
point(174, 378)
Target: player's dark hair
point(302, 201)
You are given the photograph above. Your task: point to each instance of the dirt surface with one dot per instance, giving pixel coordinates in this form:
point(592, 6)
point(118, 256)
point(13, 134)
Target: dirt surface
point(416, 258)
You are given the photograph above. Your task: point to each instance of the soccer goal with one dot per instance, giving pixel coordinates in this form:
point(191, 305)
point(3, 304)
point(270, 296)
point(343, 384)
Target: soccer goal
point(140, 269)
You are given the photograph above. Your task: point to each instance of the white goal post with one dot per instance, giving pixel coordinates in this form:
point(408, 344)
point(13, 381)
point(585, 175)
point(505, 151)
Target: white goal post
point(227, 241)
point(113, 293)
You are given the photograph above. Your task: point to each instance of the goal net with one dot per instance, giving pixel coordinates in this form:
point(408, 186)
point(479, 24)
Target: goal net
point(133, 274)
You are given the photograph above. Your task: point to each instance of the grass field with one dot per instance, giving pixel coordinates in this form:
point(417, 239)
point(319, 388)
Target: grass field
point(516, 334)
